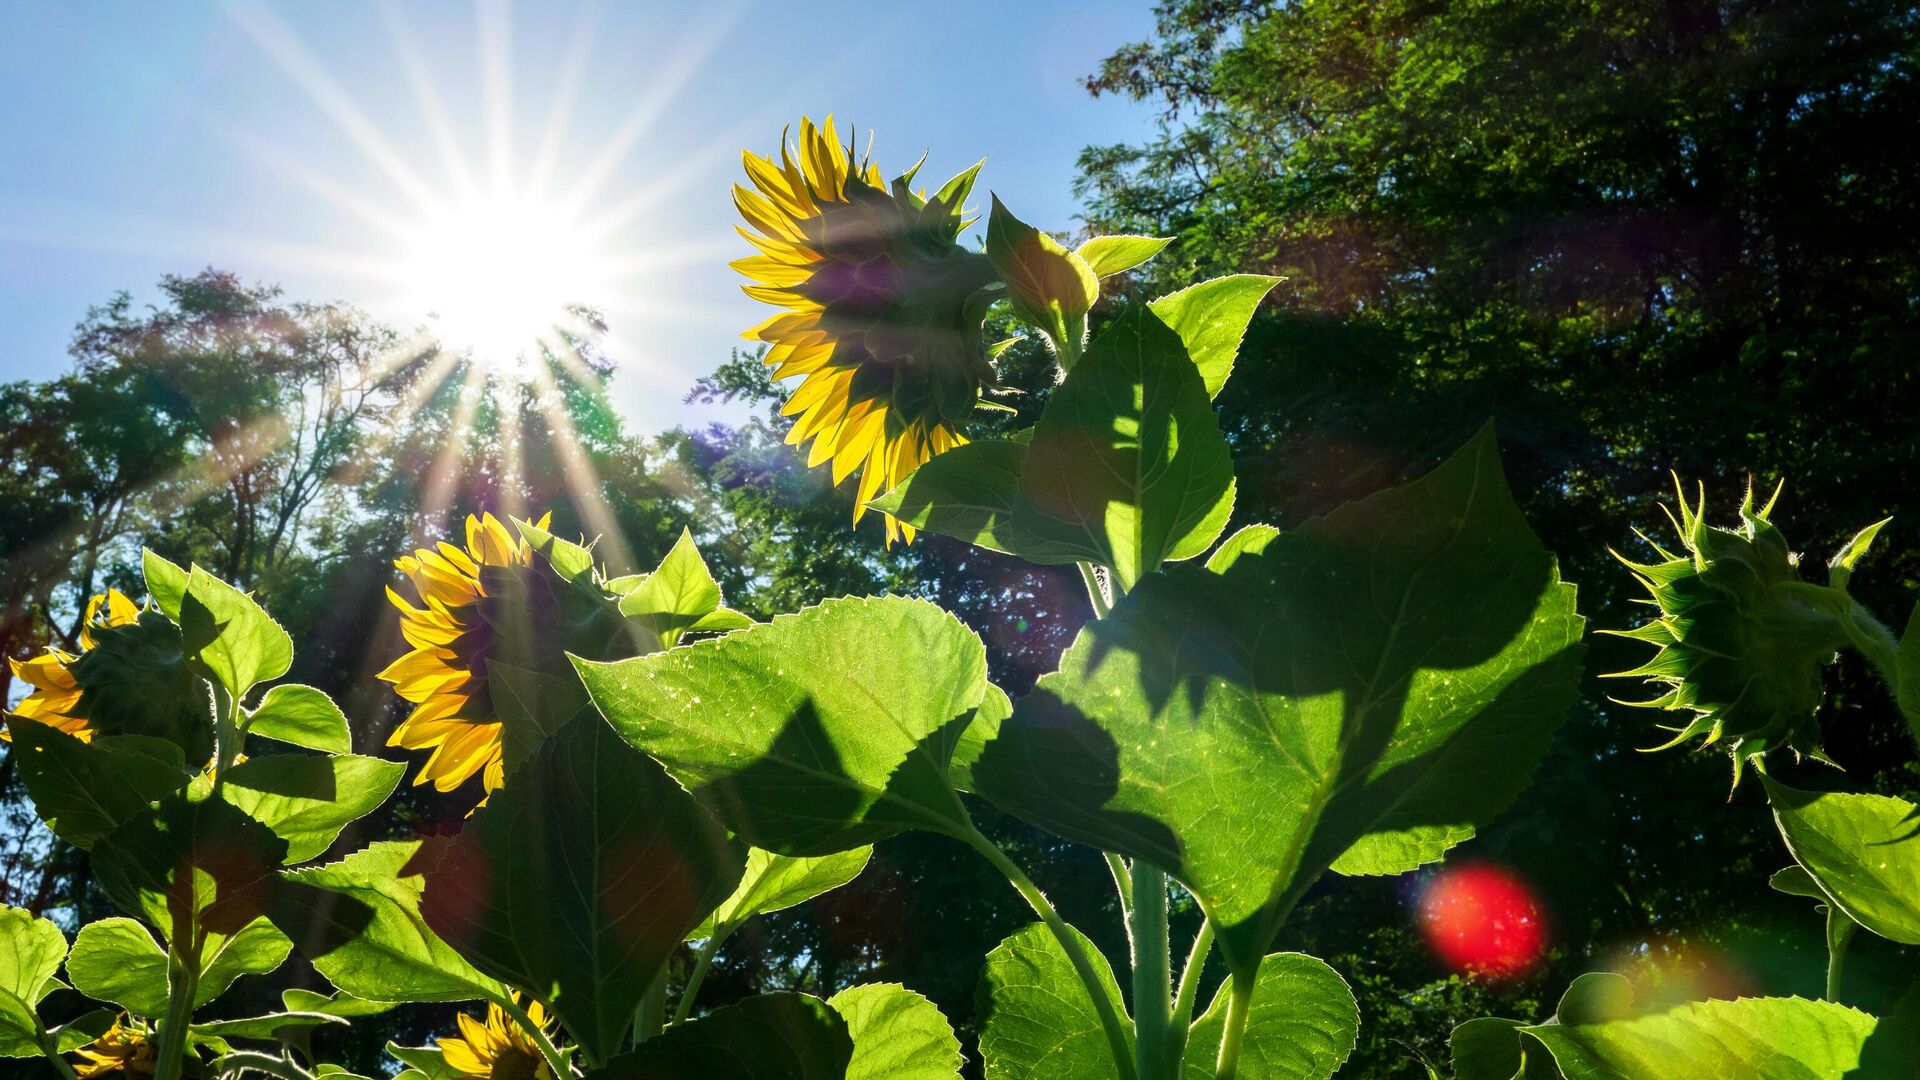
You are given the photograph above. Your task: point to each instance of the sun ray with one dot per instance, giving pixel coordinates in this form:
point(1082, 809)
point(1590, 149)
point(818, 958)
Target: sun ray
point(427, 97)
point(493, 20)
point(284, 48)
point(573, 63)
point(578, 473)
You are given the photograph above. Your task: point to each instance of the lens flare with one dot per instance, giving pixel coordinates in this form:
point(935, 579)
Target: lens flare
point(1483, 920)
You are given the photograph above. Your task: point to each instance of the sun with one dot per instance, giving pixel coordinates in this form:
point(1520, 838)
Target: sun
point(501, 274)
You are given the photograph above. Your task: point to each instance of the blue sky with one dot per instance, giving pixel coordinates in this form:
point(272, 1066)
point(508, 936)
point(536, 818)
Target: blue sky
point(285, 142)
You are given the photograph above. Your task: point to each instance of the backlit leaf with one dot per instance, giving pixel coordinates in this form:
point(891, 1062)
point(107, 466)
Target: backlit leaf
point(83, 791)
point(776, 882)
point(812, 734)
point(1751, 1038)
point(1211, 319)
point(306, 799)
point(897, 1034)
point(1368, 689)
point(769, 1037)
point(1302, 1024)
point(1862, 850)
point(301, 716)
point(1036, 1020)
point(229, 637)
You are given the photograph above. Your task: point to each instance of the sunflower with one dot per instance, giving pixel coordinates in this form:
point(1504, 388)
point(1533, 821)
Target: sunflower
point(496, 601)
point(56, 693)
point(124, 1048)
point(498, 1049)
point(883, 308)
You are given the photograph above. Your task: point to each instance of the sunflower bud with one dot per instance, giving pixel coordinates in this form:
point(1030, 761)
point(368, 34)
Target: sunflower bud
point(1742, 639)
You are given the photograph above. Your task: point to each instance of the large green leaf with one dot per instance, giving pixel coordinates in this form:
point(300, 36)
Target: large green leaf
point(306, 799)
point(1301, 1025)
point(358, 920)
point(1036, 1020)
point(1211, 318)
point(83, 791)
point(580, 878)
point(532, 705)
point(230, 638)
point(199, 869)
point(1049, 287)
point(815, 733)
point(31, 949)
point(897, 1034)
point(1751, 1038)
point(1863, 850)
point(117, 960)
point(1109, 255)
point(276, 1027)
point(301, 716)
point(166, 583)
point(1492, 1048)
point(679, 597)
point(770, 1037)
point(1368, 688)
point(1127, 465)
point(776, 882)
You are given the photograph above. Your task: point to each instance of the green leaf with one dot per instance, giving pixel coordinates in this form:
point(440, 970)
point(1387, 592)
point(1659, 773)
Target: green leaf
point(1840, 567)
point(532, 705)
point(1795, 881)
point(1596, 998)
point(1301, 1025)
point(307, 799)
point(1751, 1038)
point(426, 1061)
point(31, 949)
point(815, 733)
point(82, 1030)
point(1863, 850)
point(229, 638)
point(569, 560)
point(1360, 695)
point(676, 597)
point(770, 1037)
point(897, 1034)
point(1249, 540)
point(1036, 1020)
point(117, 960)
point(83, 791)
point(302, 716)
point(1050, 288)
point(981, 730)
point(1128, 467)
point(358, 920)
point(200, 870)
point(776, 882)
point(1490, 1048)
point(19, 1028)
point(1211, 319)
point(338, 1003)
point(578, 880)
point(257, 949)
point(166, 583)
point(1110, 255)
point(972, 493)
point(273, 1027)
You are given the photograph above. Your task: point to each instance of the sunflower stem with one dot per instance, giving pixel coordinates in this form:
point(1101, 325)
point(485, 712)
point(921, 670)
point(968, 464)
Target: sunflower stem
point(1122, 884)
point(701, 962)
point(1074, 947)
point(1189, 991)
point(50, 1049)
point(1840, 928)
point(555, 1062)
point(183, 980)
point(1152, 971)
point(1096, 592)
point(1239, 1004)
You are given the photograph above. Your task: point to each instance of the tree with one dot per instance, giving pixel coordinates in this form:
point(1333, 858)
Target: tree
point(1644, 236)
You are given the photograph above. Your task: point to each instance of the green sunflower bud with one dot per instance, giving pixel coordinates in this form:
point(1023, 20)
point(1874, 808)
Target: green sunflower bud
point(1742, 639)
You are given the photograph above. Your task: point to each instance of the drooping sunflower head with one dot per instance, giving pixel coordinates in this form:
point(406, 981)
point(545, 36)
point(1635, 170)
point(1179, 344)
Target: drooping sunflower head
point(125, 1048)
point(56, 694)
point(495, 601)
point(883, 308)
point(129, 678)
point(1740, 645)
point(498, 1049)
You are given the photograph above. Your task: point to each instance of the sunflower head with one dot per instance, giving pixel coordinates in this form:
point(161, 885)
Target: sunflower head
point(497, 1049)
point(125, 1048)
point(1740, 646)
point(495, 601)
point(883, 307)
point(129, 678)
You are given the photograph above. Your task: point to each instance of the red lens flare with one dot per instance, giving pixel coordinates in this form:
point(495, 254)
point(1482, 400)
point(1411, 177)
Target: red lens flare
point(1483, 920)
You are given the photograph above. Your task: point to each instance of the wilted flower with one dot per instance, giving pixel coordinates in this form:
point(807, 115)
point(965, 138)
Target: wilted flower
point(124, 1048)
